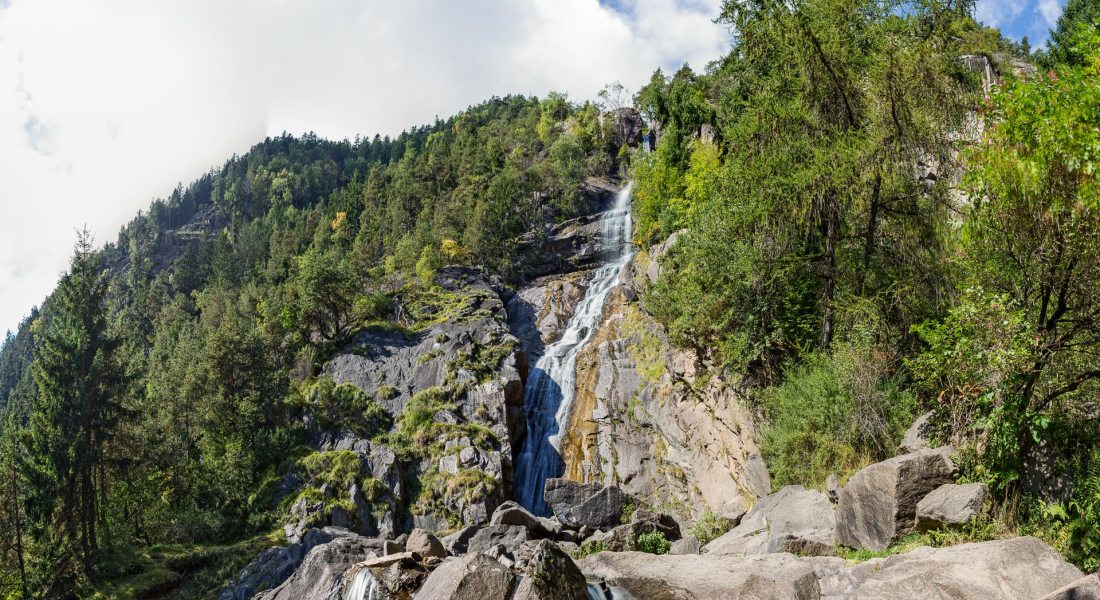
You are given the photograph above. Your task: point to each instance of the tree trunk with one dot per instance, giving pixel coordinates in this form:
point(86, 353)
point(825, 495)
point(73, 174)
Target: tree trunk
point(831, 233)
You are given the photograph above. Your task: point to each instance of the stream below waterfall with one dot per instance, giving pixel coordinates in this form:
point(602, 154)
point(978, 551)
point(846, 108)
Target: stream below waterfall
point(551, 384)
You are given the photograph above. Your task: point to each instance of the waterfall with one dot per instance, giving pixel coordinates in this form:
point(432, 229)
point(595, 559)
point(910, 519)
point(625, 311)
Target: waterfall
point(363, 587)
point(551, 385)
point(602, 591)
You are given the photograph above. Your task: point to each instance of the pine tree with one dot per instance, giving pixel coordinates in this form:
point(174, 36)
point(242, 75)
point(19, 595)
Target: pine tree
point(72, 419)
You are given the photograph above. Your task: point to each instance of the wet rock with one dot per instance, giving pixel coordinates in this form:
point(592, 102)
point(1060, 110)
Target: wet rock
point(794, 519)
point(585, 504)
point(425, 544)
point(471, 577)
point(879, 503)
point(951, 504)
point(508, 536)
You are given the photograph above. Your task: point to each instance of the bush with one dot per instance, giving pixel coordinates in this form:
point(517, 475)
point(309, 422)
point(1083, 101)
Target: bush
point(709, 527)
point(590, 548)
point(834, 413)
point(653, 542)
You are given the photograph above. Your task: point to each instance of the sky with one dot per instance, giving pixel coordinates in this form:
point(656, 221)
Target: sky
point(108, 104)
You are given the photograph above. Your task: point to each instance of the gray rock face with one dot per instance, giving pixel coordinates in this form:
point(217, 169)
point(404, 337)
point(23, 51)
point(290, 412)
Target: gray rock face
point(1014, 569)
point(274, 565)
point(918, 434)
point(706, 577)
point(653, 270)
point(1005, 569)
point(508, 536)
point(951, 504)
point(653, 427)
point(425, 544)
point(794, 519)
point(547, 573)
point(471, 577)
point(571, 245)
point(459, 541)
point(1087, 588)
point(585, 504)
point(626, 126)
point(879, 503)
point(320, 575)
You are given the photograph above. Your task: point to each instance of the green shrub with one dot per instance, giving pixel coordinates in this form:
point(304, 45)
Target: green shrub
point(834, 413)
point(590, 548)
point(709, 527)
point(653, 542)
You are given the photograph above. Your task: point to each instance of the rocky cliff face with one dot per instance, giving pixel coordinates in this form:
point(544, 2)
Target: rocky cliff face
point(645, 416)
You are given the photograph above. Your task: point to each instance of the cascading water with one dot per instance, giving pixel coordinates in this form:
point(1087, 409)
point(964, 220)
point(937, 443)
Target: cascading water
point(551, 385)
point(363, 587)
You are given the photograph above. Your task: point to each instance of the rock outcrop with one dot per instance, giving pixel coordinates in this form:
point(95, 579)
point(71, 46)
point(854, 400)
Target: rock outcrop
point(918, 434)
point(274, 565)
point(321, 574)
point(879, 503)
point(793, 519)
point(1087, 588)
point(951, 504)
point(475, 576)
point(1014, 569)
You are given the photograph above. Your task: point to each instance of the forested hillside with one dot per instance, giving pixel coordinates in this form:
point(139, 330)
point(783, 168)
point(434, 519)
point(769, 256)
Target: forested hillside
point(880, 209)
point(168, 375)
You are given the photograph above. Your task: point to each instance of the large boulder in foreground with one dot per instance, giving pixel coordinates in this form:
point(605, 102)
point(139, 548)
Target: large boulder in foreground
point(794, 519)
point(704, 577)
point(1087, 588)
point(471, 577)
point(586, 504)
point(1014, 569)
point(547, 573)
point(879, 503)
point(321, 573)
point(951, 504)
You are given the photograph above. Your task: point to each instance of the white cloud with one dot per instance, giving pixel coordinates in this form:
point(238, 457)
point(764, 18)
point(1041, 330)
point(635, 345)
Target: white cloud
point(1051, 10)
point(105, 104)
point(999, 13)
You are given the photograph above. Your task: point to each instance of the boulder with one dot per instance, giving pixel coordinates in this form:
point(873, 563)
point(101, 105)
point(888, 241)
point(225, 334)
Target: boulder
point(879, 503)
point(686, 545)
point(709, 577)
point(547, 573)
point(1012, 569)
point(626, 126)
point(457, 542)
point(794, 519)
point(320, 575)
point(1087, 588)
point(951, 504)
point(471, 577)
point(586, 504)
point(918, 434)
point(425, 544)
point(274, 565)
point(511, 513)
point(509, 536)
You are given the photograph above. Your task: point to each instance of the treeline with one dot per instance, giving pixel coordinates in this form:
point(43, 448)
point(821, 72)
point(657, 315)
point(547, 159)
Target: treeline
point(870, 234)
point(155, 394)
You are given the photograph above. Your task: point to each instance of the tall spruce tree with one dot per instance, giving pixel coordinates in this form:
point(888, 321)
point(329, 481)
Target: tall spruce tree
point(72, 421)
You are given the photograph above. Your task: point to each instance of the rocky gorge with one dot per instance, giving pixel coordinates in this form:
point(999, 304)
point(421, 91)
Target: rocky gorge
point(652, 443)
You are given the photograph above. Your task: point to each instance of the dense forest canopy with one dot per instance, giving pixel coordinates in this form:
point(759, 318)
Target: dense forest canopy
point(869, 231)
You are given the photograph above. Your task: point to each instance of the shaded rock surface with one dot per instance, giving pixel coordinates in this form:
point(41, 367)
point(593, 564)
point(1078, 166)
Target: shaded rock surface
point(794, 519)
point(547, 573)
point(508, 536)
point(321, 573)
point(586, 504)
point(879, 503)
point(918, 435)
point(951, 504)
point(1087, 588)
point(274, 565)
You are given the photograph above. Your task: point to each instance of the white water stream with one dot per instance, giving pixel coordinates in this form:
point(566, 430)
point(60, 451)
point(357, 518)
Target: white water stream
point(364, 587)
point(551, 385)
